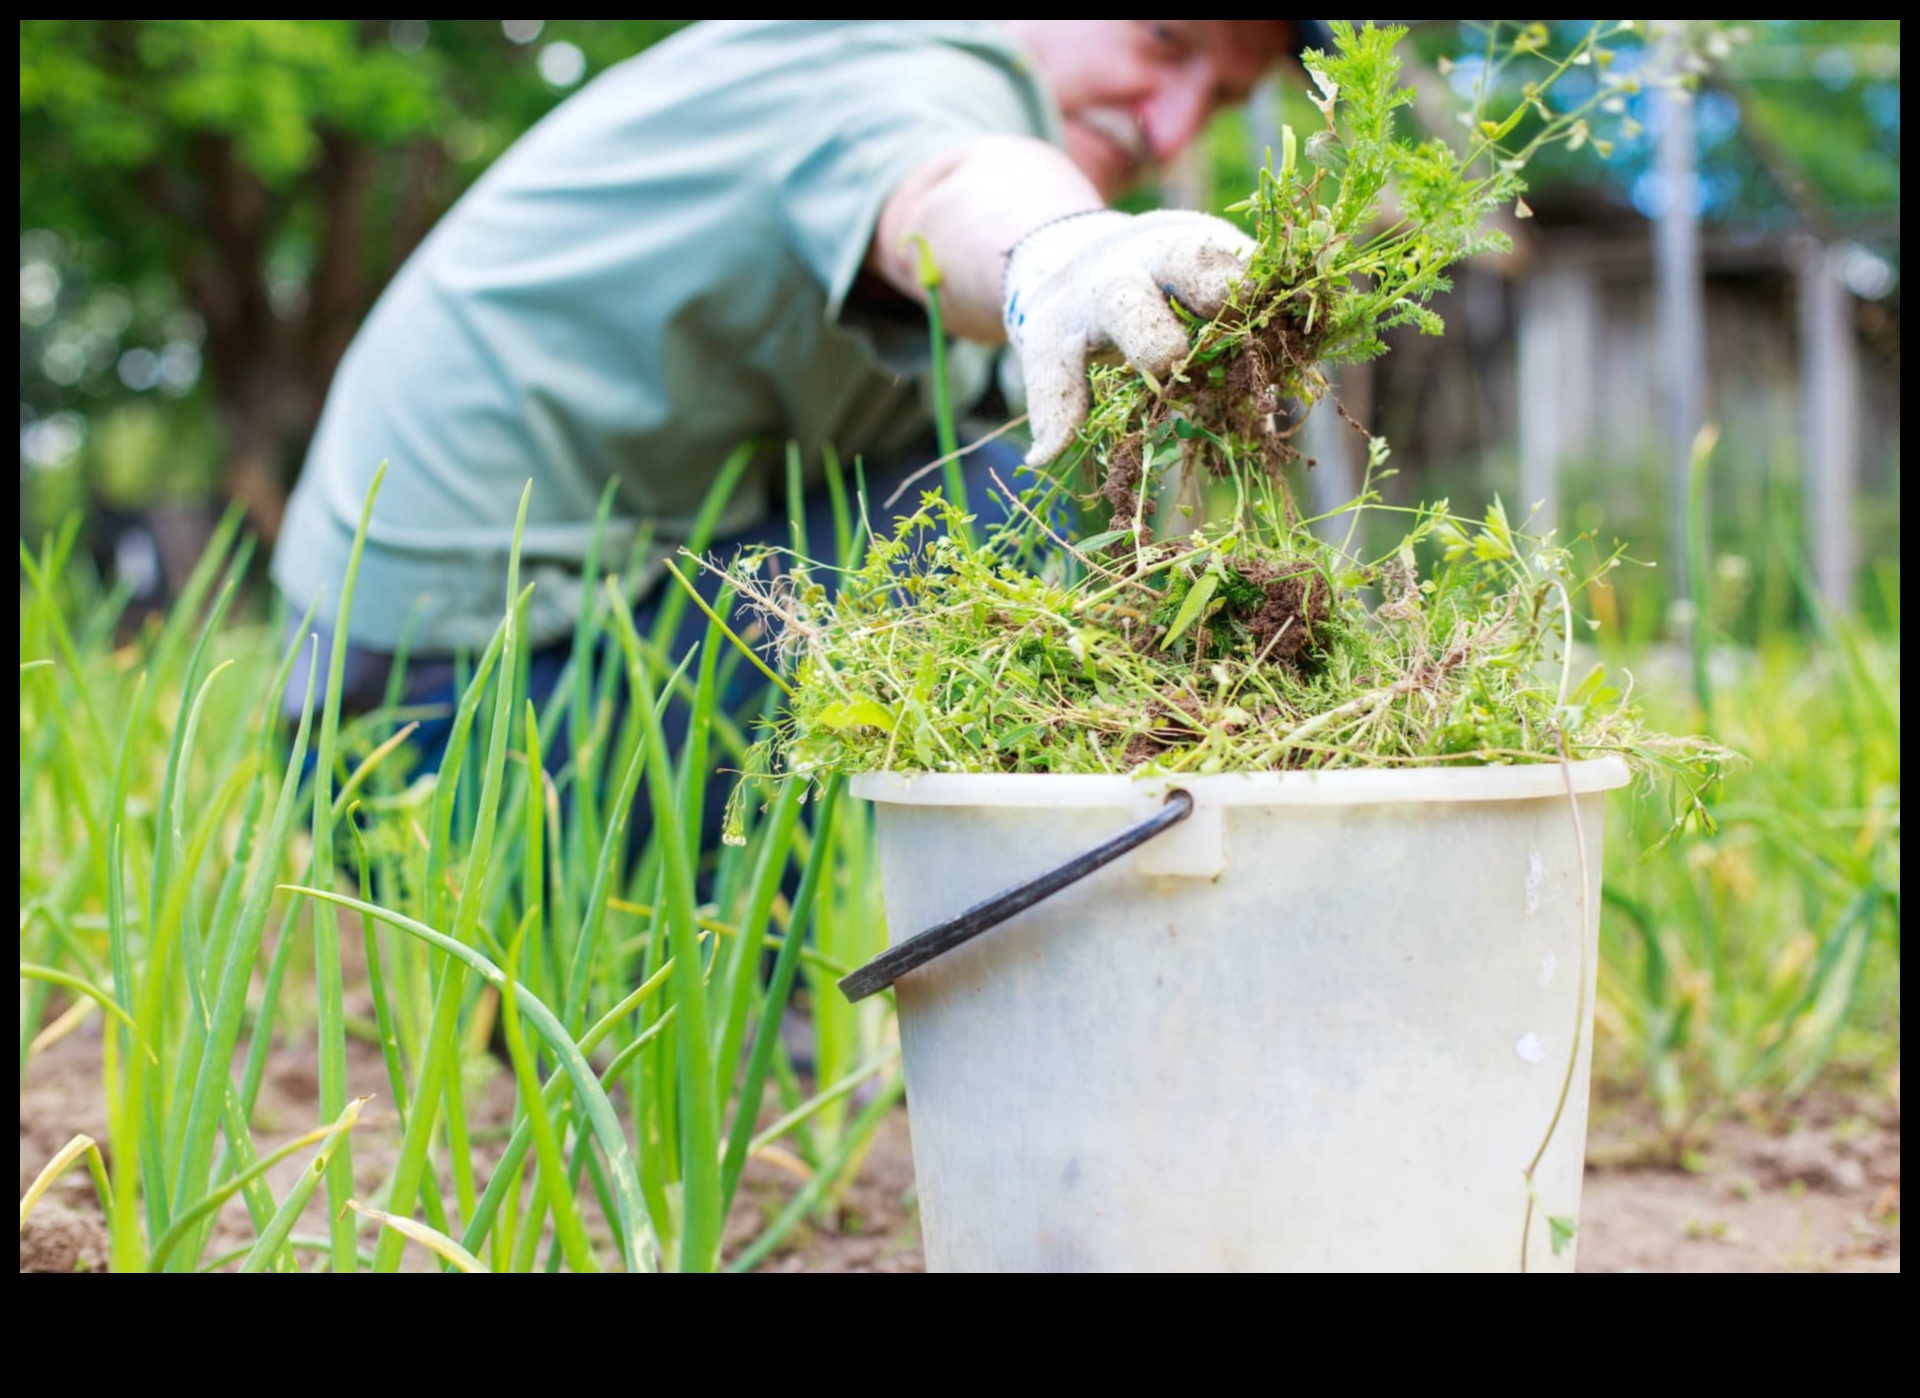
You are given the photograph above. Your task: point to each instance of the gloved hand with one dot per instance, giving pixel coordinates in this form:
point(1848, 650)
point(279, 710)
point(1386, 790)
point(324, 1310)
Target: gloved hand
point(1091, 284)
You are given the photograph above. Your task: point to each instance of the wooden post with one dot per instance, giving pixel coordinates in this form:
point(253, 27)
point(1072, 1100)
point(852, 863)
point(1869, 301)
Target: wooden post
point(1555, 371)
point(1681, 310)
point(1829, 425)
point(1539, 391)
point(1577, 313)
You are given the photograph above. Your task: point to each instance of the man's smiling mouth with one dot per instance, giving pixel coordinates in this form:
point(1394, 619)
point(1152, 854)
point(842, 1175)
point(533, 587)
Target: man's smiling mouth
point(1121, 133)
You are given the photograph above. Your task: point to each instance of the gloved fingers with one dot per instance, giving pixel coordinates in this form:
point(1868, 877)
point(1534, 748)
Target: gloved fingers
point(1054, 360)
point(1083, 286)
point(1134, 315)
point(1200, 268)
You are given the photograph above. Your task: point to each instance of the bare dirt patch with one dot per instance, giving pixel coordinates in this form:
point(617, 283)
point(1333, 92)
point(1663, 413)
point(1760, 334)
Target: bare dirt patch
point(57, 1239)
point(1819, 1197)
point(876, 1228)
point(1818, 1193)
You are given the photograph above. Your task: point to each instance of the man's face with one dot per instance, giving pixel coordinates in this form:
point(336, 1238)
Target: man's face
point(1134, 92)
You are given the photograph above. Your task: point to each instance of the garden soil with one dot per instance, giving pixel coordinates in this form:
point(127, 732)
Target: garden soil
point(1818, 1193)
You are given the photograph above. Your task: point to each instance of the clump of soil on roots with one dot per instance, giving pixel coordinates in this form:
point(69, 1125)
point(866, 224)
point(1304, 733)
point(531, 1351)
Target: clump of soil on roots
point(1121, 488)
point(1277, 621)
point(1265, 367)
point(1126, 469)
point(1164, 732)
point(1274, 614)
point(1298, 602)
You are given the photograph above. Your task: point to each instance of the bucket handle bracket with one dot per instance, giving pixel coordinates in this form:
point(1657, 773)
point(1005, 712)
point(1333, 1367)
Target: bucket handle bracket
point(941, 938)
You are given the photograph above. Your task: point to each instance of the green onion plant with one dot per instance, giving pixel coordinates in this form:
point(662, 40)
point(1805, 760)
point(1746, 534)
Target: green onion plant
point(188, 860)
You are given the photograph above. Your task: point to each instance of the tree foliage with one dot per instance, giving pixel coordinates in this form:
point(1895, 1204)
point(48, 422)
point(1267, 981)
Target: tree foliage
point(269, 175)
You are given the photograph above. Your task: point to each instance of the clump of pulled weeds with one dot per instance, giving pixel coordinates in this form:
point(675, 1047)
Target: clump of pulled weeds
point(1157, 605)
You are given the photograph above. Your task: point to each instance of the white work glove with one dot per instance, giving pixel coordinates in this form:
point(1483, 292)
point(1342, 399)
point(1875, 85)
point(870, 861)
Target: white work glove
point(1092, 284)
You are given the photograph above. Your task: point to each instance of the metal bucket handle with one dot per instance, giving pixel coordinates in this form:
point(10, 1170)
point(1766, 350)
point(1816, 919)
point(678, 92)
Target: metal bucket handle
point(918, 950)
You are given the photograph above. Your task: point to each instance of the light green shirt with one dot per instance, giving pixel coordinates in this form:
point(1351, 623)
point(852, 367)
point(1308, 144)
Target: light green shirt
point(653, 274)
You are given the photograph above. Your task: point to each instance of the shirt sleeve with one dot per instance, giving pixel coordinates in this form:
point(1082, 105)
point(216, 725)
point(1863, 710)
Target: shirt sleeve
point(894, 101)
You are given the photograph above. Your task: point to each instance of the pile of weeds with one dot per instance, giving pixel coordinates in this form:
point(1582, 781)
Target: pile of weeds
point(1208, 654)
point(1246, 641)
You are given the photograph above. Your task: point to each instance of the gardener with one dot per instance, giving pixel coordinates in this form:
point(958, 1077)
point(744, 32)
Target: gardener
point(712, 244)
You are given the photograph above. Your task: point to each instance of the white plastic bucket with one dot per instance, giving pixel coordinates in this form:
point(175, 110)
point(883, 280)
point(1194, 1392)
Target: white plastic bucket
point(1321, 1025)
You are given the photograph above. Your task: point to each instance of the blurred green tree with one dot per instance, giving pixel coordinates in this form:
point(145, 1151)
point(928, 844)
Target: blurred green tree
point(267, 175)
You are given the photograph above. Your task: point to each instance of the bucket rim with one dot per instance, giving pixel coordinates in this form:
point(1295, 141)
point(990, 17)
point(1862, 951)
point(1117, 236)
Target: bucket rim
point(1520, 782)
